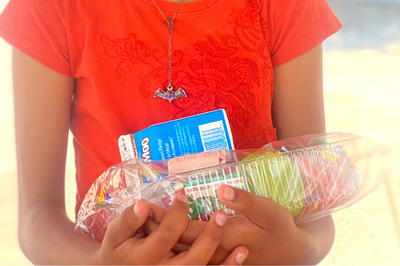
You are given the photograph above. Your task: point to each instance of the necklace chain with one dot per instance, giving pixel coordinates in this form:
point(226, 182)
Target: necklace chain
point(170, 29)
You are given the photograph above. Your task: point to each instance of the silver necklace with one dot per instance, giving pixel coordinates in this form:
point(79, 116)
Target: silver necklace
point(169, 94)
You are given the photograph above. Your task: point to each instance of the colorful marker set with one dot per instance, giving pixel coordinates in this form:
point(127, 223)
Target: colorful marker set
point(304, 182)
point(311, 176)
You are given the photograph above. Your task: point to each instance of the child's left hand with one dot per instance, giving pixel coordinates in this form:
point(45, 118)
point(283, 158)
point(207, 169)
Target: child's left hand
point(263, 226)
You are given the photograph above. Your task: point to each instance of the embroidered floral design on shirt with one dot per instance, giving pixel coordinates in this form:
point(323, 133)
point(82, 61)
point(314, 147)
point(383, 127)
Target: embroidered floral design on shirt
point(209, 46)
point(130, 50)
point(216, 77)
point(247, 26)
point(217, 72)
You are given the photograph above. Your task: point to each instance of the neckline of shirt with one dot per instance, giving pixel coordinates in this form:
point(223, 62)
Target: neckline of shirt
point(186, 7)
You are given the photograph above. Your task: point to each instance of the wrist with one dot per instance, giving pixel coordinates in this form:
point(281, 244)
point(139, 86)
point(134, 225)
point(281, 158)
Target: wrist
point(310, 249)
point(95, 258)
point(318, 239)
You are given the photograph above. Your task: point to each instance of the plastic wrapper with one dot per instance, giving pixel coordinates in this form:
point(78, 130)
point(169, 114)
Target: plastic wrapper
point(311, 176)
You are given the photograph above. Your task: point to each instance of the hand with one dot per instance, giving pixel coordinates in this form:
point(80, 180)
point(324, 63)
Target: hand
point(125, 242)
point(263, 226)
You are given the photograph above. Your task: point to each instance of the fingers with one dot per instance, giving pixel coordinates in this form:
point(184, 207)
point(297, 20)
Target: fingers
point(192, 232)
point(262, 211)
point(156, 216)
point(237, 256)
point(126, 225)
point(158, 213)
point(150, 226)
point(161, 241)
point(204, 247)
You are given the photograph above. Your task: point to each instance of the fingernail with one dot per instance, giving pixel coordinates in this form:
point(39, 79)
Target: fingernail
point(220, 219)
point(151, 214)
point(182, 198)
point(136, 209)
point(240, 257)
point(229, 194)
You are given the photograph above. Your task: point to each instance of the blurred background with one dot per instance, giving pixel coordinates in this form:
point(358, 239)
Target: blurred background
point(362, 96)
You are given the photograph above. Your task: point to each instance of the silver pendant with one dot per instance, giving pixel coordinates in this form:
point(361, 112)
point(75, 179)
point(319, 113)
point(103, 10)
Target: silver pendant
point(169, 94)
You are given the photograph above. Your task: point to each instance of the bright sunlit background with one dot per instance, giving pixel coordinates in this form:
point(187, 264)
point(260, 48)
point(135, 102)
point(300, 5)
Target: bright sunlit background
point(362, 96)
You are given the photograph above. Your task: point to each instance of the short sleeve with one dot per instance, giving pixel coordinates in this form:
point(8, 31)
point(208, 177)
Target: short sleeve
point(38, 28)
point(298, 26)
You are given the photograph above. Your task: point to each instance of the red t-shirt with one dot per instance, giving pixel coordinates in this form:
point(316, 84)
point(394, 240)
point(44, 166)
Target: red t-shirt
point(224, 52)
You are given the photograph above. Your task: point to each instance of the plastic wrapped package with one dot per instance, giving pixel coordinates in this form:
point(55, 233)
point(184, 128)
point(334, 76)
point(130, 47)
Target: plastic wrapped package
point(311, 176)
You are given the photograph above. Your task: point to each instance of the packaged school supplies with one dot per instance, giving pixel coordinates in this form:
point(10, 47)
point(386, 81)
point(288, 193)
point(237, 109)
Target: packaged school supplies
point(193, 134)
point(311, 176)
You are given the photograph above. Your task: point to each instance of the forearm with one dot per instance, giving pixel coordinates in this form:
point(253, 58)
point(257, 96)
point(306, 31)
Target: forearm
point(42, 102)
point(46, 236)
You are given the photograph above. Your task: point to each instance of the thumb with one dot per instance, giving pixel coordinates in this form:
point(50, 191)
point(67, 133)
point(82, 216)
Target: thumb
point(126, 225)
point(262, 211)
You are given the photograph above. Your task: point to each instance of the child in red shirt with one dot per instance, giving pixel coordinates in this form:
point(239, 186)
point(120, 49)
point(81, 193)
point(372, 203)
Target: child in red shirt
point(93, 67)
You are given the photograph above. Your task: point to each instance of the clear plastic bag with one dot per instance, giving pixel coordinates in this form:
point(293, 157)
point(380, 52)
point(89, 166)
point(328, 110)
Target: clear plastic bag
point(311, 176)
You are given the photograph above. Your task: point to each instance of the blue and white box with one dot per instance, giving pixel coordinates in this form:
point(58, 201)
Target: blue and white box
point(204, 132)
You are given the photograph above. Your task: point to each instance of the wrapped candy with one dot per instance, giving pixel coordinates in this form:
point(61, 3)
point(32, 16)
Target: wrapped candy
point(311, 176)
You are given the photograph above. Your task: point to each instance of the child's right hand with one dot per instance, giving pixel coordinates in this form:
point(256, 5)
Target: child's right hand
point(125, 241)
